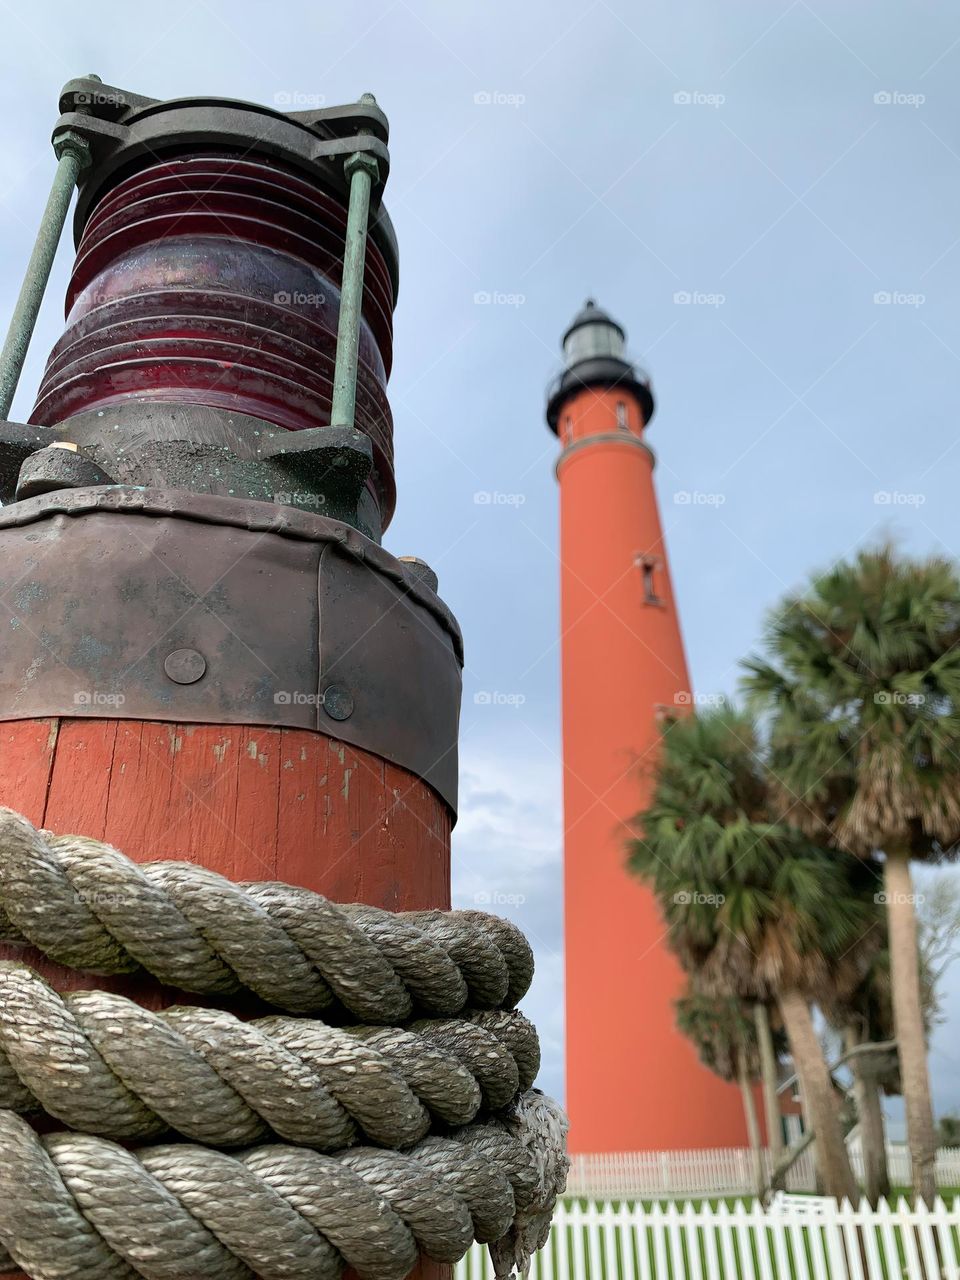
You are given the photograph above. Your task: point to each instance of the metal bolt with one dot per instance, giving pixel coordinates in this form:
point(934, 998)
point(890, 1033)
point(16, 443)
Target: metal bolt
point(338, 702)
point(420, 571)
point(185, 666)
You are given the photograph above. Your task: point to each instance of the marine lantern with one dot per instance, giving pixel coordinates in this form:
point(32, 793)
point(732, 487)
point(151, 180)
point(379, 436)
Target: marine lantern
point(206, 647)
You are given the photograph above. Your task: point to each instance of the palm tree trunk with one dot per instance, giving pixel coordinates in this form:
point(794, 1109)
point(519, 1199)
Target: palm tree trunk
point(753, 1126)
point(768, 1075)
point(819, 1097)
point(873, 1139)
point(908, 1021)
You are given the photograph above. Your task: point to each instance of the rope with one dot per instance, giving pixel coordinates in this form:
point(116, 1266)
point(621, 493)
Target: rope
point(71, 1204)
point(324, 1146)
point(102, 1064)
point(88, 907)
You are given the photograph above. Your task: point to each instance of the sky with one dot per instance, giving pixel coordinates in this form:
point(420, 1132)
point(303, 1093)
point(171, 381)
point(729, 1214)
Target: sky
point(765, 194)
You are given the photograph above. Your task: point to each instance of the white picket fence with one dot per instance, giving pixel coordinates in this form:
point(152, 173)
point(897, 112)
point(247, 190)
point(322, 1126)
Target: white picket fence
point(748, 1242)
point(727, 1171)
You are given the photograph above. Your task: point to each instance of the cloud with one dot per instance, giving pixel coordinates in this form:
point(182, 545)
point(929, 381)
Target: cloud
point(507, 859)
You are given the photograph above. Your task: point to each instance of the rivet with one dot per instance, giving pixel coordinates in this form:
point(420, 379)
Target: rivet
point(338, 702)
point(185, 666)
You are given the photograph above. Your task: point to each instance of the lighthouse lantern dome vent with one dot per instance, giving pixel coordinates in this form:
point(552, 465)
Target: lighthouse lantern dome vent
point(594, 355)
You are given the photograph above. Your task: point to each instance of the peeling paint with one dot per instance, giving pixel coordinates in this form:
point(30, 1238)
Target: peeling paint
point(220, 750)
point(345, 789)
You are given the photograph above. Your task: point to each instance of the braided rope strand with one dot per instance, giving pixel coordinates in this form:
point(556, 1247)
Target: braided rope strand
point(277, 1212)
point(103, 1064)
point(86, 906)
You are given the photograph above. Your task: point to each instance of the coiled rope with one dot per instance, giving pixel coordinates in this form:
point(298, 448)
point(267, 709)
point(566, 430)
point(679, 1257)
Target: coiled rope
point(88, 907)
point(325, 1144)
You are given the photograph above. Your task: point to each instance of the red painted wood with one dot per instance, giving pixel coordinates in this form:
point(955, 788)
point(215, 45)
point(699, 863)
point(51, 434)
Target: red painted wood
point(26, 753)
point(251, 803)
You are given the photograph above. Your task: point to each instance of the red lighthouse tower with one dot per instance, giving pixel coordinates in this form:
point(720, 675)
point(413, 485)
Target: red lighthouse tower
point(633, 1082)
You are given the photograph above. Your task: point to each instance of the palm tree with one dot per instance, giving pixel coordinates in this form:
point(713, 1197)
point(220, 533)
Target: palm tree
point(861, 680)
point(725, 1035)
point(768, 1048)
point(754, 908)
point(863, 1015)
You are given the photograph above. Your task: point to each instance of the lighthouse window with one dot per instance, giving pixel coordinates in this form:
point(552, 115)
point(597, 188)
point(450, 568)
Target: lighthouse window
point(622, 416)
point(648, 568)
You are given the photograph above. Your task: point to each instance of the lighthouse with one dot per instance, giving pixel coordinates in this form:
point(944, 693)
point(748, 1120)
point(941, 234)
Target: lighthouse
point(633, 1082)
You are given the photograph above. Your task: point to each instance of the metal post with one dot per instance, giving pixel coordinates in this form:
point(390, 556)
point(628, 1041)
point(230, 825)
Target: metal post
point(73, 155)
point(361, 169)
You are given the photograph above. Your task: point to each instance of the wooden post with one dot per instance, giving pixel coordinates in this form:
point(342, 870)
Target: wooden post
point(248, 802)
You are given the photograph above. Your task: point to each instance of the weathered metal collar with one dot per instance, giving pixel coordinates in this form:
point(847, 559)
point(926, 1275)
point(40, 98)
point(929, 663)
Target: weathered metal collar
point(149, 604)
point(258, 517)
